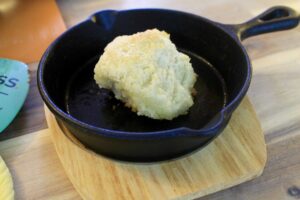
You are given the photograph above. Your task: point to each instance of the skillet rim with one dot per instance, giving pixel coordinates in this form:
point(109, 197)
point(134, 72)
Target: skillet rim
point(223, 114)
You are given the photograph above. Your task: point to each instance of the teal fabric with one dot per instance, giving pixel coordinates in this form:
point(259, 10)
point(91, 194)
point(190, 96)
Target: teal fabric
point(14, 86)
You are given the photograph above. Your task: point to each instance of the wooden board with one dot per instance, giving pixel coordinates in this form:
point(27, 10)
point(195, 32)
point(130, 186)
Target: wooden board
point(237, 155)
point(35, 168)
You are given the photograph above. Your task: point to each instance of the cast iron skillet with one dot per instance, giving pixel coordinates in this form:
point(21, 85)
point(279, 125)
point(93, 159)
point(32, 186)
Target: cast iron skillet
point(103, 124)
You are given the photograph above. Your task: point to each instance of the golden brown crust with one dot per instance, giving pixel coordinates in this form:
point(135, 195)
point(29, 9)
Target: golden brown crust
point(148, 74)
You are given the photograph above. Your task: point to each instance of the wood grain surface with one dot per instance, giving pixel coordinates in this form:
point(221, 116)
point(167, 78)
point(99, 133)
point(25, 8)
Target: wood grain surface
point(235, 156)
point(274, 89)
point(35, 168)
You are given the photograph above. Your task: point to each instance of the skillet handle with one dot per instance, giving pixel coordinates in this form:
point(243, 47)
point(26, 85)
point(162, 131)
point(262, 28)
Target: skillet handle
point(274, 19)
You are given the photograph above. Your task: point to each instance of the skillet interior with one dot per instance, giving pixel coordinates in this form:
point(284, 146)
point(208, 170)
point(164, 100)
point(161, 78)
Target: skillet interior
point(216, 58)
point(86, 102)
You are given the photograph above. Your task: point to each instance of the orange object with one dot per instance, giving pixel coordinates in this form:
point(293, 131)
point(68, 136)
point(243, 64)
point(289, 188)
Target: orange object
point(27, 27)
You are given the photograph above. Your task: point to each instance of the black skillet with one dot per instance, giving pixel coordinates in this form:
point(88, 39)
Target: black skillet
point(103, 124)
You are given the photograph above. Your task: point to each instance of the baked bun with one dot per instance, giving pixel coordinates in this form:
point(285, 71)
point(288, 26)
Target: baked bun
point(148, 74)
